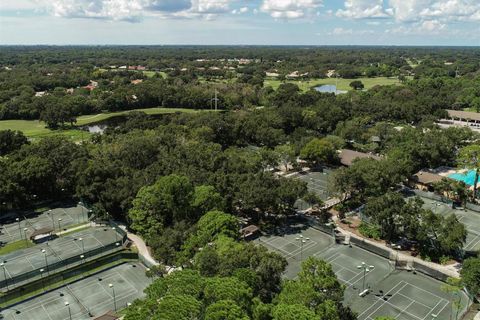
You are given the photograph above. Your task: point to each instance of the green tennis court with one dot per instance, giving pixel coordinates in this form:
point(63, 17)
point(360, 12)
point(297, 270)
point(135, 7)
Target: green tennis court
point(400, 294)
point(91, 297)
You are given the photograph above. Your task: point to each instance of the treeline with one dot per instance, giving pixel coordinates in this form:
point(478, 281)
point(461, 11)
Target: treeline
point(418, 100)
point(384, 61)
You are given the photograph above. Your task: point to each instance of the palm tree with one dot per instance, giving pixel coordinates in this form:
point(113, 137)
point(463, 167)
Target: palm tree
point(469, 157)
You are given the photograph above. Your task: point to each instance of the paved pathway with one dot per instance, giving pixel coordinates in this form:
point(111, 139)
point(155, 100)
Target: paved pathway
point(450, 270)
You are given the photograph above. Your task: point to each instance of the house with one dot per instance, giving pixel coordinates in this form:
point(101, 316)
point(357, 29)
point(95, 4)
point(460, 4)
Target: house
point(461, 119)
point(249, 232)
point(42, 235)
point(424, 180)
point(330, 73)
point(294, 74)
point(40, 93)
point(272, 74)
point(347, 156)
point(141, 68)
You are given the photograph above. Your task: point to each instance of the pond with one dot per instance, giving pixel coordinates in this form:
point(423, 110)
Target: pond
point(329, 88)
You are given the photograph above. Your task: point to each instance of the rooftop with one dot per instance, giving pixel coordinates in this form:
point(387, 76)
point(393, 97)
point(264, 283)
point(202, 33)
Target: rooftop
point(464, 115)
point(347, 156)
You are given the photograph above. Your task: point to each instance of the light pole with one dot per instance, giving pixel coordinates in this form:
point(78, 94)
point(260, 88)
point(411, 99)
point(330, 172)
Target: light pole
point(114, 298)
point(116, 235)
point(366, 269)
point(302, 242)
point(69, 311)
point(46, 260)
point(59, 224)
point(435, 205)
point(83, 245)
point(50, 213)
point(81, 205)
point(4, 274)
point(19, 228)
point(25, 232)
point(41, 276)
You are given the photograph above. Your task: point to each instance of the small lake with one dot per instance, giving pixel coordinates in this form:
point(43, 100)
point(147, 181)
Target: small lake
point(97, 128)
point(329, 88)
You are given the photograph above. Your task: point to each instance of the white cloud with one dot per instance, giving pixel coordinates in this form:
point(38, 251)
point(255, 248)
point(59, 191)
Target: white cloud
point(432, 26)
point(130, 10)
point(443, 10)
point(135, 10)
point(290, 9)
point(342, 32)
point(240, 10)
point(363, 9)
point(427, 27)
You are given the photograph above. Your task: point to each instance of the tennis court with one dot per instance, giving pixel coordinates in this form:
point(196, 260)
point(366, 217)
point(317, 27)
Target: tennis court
point(90, 296)
point(469, 218)
point(296, 247)
point(22, 265)
point(317, 182)
point(58, 219)
point(400, 294)
point(407, 296)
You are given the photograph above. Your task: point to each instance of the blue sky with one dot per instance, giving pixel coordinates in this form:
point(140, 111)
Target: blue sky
point(258, 22)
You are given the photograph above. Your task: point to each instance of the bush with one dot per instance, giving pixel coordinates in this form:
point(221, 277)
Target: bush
point(370, 230)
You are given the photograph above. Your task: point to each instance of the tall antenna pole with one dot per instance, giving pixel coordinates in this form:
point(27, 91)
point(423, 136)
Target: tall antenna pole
point(336, 84)
point(215, 99)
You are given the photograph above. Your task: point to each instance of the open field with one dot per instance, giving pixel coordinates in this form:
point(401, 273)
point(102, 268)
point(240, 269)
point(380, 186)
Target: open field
point(343, 84)
point(92, 295)
point(37, 129)
point(399, 294)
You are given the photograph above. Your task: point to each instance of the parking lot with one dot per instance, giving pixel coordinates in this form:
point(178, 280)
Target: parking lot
point(91, 297)
point(399, 294)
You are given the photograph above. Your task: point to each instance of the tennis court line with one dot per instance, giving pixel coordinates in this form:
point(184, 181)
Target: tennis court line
point(403, 311)
point(366, 310)
point(290, 254)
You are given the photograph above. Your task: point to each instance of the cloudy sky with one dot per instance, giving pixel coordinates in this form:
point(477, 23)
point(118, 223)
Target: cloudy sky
point(277, 22)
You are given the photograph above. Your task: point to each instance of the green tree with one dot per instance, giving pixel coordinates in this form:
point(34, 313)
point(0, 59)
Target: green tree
point(206, 199)
point(319, 151)
point(211, 226)
point(228, 288)
point(161, 204)
point(171, 307)
point(286, 155)
point(11, 140)
point(225, 310)
point(357, 85)
point(470, 274)
point(293, 312)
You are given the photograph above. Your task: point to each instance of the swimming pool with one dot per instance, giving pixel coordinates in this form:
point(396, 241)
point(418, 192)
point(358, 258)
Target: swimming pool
point(468, 177)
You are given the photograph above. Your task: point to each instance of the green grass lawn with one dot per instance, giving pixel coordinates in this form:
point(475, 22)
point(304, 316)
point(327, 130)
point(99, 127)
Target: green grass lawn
point(84, 120)
point(14, 246)
point(343, 84)
point(35, 129)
